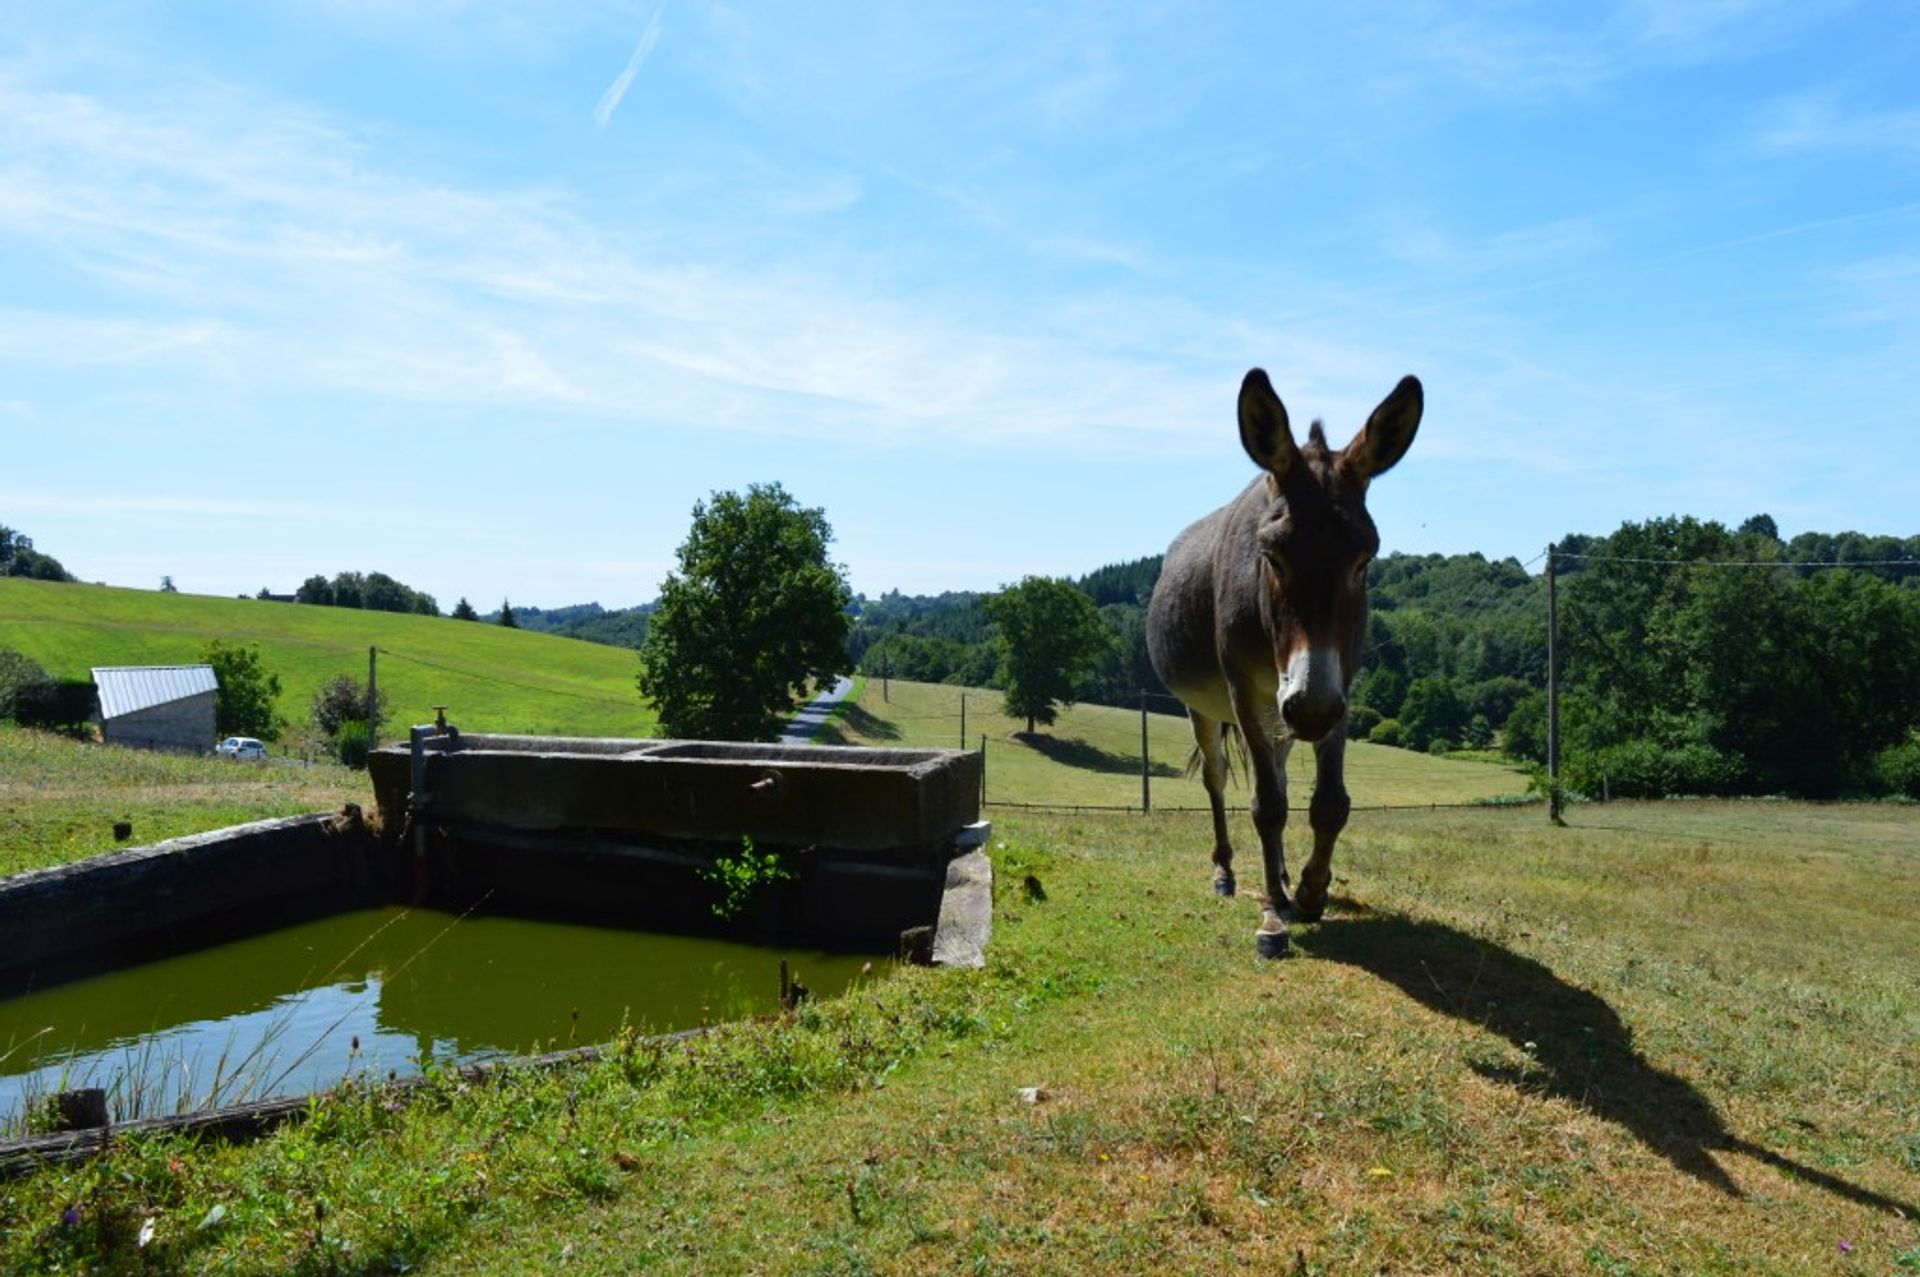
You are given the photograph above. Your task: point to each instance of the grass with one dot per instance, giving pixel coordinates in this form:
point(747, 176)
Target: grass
point(1669, 1038)
point(492, 679)
point(1091, 756)
point(59, 798)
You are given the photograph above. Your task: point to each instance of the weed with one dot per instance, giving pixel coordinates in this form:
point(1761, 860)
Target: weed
point(743, 875)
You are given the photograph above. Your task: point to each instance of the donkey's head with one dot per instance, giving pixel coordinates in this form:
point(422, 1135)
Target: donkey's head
point(1315, 540)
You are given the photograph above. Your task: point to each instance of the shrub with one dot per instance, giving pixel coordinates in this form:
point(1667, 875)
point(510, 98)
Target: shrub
point(352, 743)
point(342, 699)
point(24, 686)
point(1897, 768)
point(1386, 732)
point(1644, 769)
point(1441, 745)
point(1361, 720)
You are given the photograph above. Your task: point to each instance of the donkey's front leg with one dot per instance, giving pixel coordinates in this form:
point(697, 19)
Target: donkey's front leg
point(1328, 816)
point(1269, 759)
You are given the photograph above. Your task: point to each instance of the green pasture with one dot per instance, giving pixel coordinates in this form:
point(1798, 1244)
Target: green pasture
point(1091, 756)
point(491, 679)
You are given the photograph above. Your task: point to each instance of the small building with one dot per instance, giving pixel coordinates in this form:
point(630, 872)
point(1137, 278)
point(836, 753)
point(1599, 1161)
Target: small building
point(166, 707)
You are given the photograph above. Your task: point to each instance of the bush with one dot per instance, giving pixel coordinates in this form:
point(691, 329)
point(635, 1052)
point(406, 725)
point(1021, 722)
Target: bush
point(352, 743)
point(1361, 720)
point(1643, 769)
point(24, 686)
point(1441, 745)
point(342, 699)
point(1386, 732)
point(1897, 768)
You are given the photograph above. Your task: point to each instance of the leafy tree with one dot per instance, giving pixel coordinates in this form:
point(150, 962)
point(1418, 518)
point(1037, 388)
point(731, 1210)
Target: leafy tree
point(167, 586)
point(244, 704)
point(1050, 638)
point(506, 616)
point(1432, 712)
point(342, 699)
point(463, 610)
point(315, 589)
point(755, 614)
point(19, 558)
point(24, 686)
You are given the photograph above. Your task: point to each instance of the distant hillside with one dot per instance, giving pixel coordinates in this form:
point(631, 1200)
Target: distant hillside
point(491, 679)
point(616, 627)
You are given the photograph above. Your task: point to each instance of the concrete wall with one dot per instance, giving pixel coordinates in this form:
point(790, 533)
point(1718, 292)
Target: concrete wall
point(128, 906)
point(185, 724)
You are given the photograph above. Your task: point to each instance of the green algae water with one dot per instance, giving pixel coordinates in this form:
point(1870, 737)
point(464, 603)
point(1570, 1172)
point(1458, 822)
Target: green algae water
point(372, 992)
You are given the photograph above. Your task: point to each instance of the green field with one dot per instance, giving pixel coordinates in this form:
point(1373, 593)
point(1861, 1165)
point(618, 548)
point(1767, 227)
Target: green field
point(1669, 1038)
point(1091, 756)
point(491, 679)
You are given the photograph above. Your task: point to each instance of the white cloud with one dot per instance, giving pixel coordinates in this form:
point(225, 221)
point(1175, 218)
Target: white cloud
point(610, 100)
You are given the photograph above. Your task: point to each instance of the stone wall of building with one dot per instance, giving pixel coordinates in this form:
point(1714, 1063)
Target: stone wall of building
point(182, 725)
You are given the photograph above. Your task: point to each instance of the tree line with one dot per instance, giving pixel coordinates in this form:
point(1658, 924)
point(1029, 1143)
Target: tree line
point(1798, 674)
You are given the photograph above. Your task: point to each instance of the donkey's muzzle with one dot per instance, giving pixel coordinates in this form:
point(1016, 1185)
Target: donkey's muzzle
point(1309, 717)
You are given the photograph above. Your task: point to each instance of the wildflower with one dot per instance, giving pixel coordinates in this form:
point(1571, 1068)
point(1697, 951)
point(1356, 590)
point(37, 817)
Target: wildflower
point(1846, 1248)
point(1379, 1172)
point(70, 1216)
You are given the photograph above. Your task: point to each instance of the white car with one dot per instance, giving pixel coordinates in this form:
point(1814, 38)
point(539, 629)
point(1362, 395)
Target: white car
point(238, 747)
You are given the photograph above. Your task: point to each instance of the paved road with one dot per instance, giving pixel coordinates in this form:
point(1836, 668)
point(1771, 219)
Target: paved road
point(808, 722)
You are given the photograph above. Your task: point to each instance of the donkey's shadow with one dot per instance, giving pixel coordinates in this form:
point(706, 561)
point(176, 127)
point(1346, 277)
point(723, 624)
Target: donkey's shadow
point(1578, 1047)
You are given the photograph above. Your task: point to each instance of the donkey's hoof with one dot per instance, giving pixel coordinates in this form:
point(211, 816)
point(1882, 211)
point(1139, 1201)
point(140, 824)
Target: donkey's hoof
point(1308, 908)
point(1271, 944)
point(1223, 884)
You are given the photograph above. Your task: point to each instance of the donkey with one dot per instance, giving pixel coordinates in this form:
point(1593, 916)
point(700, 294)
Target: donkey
point(1258, 621)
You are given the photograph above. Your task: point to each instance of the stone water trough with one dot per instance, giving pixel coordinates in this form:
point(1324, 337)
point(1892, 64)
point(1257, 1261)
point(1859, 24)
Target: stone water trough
point(881, 852)
point(619, 831)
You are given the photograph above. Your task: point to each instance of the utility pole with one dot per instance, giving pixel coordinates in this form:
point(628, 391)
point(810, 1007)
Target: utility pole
point(1146, 790)
point(983, 769)
point(886, 690)
point(373, 699)
point(1553, 688)
point(963, 720)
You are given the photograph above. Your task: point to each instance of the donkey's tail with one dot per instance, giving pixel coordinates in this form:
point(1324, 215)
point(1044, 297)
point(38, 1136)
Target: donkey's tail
point(1233, 752)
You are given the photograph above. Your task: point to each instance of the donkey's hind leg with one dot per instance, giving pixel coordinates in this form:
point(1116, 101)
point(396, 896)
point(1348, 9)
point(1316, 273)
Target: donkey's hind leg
point(1209, 737)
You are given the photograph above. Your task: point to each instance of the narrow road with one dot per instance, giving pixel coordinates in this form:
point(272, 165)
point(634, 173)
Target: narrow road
point(813, 717)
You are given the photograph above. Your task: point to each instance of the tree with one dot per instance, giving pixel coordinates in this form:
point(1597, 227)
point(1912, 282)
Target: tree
point(315, 589)
point(506, 616)
point(342, 699)
point(463, 610)
point(1431, 712)
point(1050, 638)
point(19, 558)
point(244, 704)
point(24, 686)
point(754, 616)
point(167, 586)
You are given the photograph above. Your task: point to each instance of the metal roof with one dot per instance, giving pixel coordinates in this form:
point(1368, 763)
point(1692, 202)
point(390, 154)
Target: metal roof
point(127, 688)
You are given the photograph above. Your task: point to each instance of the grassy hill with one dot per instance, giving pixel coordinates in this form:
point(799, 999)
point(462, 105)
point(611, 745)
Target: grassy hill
point(491, 679)
point(1091, 756)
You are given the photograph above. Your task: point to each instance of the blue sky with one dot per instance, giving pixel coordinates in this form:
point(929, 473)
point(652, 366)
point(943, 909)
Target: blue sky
point(486, 294)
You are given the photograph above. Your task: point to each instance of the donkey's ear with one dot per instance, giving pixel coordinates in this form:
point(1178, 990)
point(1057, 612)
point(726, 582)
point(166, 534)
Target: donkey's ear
point(1388, 433)
point(1264, 432)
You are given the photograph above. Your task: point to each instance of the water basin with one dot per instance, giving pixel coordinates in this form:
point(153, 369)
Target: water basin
point(281, 1013)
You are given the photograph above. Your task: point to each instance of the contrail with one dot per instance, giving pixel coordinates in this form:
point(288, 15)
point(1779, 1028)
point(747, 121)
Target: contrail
point(610, 100)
